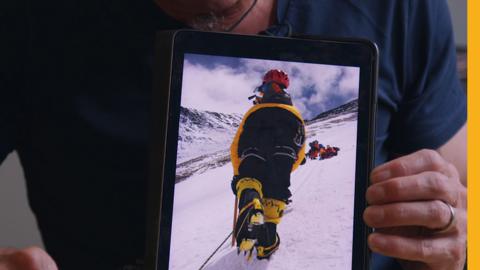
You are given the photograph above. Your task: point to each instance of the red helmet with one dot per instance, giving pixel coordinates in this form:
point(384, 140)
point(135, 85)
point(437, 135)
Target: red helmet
point(278, 76)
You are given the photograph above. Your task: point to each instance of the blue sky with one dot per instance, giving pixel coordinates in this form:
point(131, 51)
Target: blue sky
point(222, 84)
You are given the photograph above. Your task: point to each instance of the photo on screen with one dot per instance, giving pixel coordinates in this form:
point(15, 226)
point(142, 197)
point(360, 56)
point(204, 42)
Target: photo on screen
point(316, 229)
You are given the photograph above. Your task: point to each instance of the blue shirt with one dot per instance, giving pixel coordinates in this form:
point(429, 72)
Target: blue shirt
point(75, 95)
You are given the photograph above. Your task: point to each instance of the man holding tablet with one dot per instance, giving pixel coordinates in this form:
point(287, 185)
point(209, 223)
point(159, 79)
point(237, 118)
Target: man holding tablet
point(74, 98)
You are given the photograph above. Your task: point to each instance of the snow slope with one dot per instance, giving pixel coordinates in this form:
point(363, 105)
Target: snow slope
point(317, 234)
point(204, 132)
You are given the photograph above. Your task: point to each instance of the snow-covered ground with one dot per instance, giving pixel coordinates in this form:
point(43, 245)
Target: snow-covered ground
point(316, 234)
point(204, 132)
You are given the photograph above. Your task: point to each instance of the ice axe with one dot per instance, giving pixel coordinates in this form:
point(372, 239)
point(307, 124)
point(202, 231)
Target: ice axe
point(234, 220)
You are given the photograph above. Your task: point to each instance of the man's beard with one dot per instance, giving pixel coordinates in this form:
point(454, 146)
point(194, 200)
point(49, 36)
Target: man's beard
point(208, 22)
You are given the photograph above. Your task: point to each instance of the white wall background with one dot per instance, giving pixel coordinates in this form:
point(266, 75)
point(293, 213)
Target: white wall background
point(17, 223)
point(458, 8)
point(18, 227)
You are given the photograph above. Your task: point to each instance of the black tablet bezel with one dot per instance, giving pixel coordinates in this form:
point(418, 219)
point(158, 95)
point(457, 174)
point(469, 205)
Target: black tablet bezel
point(168, 69)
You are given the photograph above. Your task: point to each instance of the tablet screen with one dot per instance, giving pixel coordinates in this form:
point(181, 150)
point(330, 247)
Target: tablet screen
point(316, 226)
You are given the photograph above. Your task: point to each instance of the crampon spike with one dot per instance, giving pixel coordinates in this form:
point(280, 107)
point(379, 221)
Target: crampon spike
point(250, 257)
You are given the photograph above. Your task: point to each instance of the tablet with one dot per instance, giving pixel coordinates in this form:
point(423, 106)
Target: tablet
point(261, 152)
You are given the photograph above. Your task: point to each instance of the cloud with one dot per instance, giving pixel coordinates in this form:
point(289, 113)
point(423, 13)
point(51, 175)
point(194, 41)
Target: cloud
point(219, 89)
point(314, 85)
point(225, 87)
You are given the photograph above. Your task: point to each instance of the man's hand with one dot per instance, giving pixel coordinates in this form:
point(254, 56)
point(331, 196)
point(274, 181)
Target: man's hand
point(32, 258)
point(408, 206)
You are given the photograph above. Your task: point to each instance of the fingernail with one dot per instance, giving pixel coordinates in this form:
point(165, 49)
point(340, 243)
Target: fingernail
point(377, 242)
point(380, 176)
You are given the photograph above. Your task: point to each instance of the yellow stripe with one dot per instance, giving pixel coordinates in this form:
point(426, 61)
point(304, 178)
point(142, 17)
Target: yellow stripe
point(249, 183)
point(261, 251)
point(234, 148)
point(245, 208)
point(473, 134)
point(273, 210)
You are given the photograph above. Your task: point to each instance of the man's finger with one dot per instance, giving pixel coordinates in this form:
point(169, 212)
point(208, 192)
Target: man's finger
point(420, 187)
point(32, 258)
point(428, 250)
point(432, 214)
point(423, 160)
